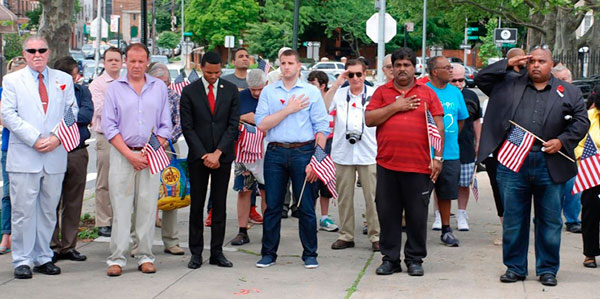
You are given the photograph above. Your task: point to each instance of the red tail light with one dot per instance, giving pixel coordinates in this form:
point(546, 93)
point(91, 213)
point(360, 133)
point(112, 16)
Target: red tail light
point(471, 76)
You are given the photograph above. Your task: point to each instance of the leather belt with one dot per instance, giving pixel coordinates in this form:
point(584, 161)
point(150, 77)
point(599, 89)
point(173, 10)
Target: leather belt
point(137, 149)
point(80, 147)
point(291, 144)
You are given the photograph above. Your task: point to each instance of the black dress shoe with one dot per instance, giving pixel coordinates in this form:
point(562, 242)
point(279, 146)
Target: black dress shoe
point(548, 280)
point(48, 268)
point(388, 268)
point(415, 269)
point(104, 231)
point(220, 261)
point(295, 213)
point(284, 214)
point(23, 272)
point(55, 257)
point(72, 255)
point(195, 262)
point(574, 228)
point(509, 276)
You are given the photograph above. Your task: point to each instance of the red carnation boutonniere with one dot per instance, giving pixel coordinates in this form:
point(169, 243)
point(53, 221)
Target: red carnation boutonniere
point(282, 101)
point(354, 105)
point(560, 90)
point(61, 86)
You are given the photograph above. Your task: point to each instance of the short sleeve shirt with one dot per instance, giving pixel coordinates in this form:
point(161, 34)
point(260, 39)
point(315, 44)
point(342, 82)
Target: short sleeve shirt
point(402, 142)
point(455, 109)
point(241, 83)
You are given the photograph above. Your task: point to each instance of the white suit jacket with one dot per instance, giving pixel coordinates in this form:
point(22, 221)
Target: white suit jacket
point(23, 115)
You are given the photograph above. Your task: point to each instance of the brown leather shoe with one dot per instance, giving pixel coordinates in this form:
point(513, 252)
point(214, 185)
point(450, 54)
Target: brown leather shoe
point(341, 244)
point(375, 246)
point(175, 250)
point(147, 268)
point(114, 270)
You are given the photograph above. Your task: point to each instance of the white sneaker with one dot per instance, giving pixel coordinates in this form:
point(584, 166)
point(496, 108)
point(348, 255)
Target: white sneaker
point(461, 220)
point(437, 224)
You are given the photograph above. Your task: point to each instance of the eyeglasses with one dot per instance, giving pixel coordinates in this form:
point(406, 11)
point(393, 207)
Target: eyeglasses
point(40, 50)
point(358, 75)
point(457, 80)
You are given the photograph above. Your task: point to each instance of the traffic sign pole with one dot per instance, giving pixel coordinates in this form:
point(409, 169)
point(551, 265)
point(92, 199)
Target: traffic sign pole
point(381, 42)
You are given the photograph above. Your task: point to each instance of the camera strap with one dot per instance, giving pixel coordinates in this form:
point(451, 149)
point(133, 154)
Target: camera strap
point(364, 100)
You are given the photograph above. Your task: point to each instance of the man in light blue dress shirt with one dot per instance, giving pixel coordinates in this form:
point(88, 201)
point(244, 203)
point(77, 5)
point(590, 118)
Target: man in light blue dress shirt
point(293, 114)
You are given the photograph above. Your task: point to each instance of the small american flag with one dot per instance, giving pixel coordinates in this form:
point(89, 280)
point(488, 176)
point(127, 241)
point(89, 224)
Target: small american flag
point(68, 132)
point(434, 134)
point(515, 149)
point(157, 157)
point(323, 166)
point(193, 76)
point(264, 65)
point(474, 187)
point(250, 144)
point(179, 83)
point(588, 174)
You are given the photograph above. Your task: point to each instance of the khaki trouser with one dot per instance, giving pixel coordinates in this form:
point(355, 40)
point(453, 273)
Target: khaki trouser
point(104, 213)
point(345, 183)
point(131, 191)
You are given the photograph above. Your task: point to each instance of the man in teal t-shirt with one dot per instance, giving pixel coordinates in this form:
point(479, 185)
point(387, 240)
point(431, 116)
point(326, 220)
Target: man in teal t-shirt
point(455, 112)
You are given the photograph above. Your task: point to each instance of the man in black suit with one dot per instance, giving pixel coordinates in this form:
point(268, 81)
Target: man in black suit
point(209, 119)
point(553, 110)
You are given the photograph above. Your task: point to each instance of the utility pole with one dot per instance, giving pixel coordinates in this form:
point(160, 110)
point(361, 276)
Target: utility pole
point(144, 26)
point(184, 53)
point(154, 47)
point(424, 42)
point(465, 42)
point(296, 24)
point(381, 41)
point(98, 37)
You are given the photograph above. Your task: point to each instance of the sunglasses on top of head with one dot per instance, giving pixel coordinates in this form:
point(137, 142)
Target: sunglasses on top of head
point(32, 51)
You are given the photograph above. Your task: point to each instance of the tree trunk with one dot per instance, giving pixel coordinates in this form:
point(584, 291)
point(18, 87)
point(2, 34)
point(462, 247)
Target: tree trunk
point(56, 26)
point(534, 37)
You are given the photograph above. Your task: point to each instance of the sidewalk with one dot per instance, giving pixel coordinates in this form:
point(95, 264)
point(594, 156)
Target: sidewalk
point(469, 271)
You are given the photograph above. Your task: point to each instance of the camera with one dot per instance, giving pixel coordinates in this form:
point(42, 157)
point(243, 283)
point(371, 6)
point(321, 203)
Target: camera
point(353, 136)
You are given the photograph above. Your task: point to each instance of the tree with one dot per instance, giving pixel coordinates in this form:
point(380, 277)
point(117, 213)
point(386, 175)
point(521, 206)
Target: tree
point(489, 49)
point(212, 20)
point(13, 45)
point(34, 18)
point(347, 18)
point(168, 40)
point(55, 26)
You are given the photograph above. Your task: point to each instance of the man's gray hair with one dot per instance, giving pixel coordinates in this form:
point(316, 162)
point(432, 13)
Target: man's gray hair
point(32, 38)
point(560, 68)
point(256, 78)
point(457, 66)
point(158, 70)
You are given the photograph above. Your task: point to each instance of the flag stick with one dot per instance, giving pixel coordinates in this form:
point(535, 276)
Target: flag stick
point(301, 192)
point(540, 139)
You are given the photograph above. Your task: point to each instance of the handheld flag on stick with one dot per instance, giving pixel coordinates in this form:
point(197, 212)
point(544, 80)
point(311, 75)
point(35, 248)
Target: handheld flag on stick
point(156, 155)
point(588, 174)
point(67, 131)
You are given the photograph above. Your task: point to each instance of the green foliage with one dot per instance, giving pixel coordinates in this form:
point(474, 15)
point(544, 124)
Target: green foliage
point(168, 40)
point(34, 18)
point(488, 48)
point(349, 16)
point(13, 45)
point(212, 20)
point(88, 233)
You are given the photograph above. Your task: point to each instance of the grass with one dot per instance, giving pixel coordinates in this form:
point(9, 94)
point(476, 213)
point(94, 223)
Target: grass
point(354, 286)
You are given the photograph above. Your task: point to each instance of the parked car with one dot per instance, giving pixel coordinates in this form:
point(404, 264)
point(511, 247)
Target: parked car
point(88, 50)
point(121, 44)
point(330, 67)
point(470, 73)
point(420, 68)
point(79, 57)
point(160, 58)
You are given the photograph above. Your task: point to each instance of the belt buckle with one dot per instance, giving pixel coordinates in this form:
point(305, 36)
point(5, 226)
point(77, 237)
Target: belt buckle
point(286, 145)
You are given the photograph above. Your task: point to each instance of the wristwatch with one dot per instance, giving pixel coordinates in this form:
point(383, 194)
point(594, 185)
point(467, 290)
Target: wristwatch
point(441, 159)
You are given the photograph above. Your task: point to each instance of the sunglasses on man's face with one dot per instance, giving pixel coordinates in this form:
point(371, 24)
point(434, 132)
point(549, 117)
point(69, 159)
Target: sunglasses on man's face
point(457, 80)
point(32, 51)
point(351, 75)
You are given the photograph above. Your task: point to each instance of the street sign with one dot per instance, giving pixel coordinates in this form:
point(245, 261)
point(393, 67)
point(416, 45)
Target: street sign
point(472, 29)
point(312, 49)
point(410, 27)
point(373, 27)
point(94, 28)
point(114, 23)
point(465, 46)
point(505, 35)
point(229, 41)
point(473, 37)
point(189, 33)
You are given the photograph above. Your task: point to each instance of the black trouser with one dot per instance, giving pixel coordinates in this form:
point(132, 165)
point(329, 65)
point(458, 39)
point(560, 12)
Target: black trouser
point(491, 166)
point(397, 192)
point(590, 219)
point(218, 194)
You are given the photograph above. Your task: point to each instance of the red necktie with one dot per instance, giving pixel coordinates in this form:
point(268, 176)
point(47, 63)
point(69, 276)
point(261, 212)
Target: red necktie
point(211, 98)
point(43, 92)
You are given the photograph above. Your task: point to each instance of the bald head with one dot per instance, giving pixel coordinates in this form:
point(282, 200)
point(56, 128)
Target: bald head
point(514, 52)
point(540, 65)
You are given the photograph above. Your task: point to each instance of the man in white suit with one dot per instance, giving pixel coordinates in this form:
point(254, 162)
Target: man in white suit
point(33, 103)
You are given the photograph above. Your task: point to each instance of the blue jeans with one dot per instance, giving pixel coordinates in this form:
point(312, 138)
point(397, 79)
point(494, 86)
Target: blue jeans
point(571, 204)
point(283, 163)
point(516, 189)
point(6, 210)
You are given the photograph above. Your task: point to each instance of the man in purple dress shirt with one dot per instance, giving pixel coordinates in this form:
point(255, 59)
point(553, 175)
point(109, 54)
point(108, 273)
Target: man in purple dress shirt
point(135, 106)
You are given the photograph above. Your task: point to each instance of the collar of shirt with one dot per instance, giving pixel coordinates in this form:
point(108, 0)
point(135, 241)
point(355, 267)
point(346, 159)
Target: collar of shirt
point(36, 73)
point(206, 84)
point(106, 77)
point(547, 87)
point(299, 83)
point(390, 85)
point(149, 81)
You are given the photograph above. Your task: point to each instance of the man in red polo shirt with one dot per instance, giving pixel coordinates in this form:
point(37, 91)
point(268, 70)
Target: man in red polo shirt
point(405, 170)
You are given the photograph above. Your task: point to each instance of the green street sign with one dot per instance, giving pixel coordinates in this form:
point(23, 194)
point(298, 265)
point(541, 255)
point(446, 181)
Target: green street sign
point(305, 44)
point(472, 37)
point(472, 29)
point(188, 34)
